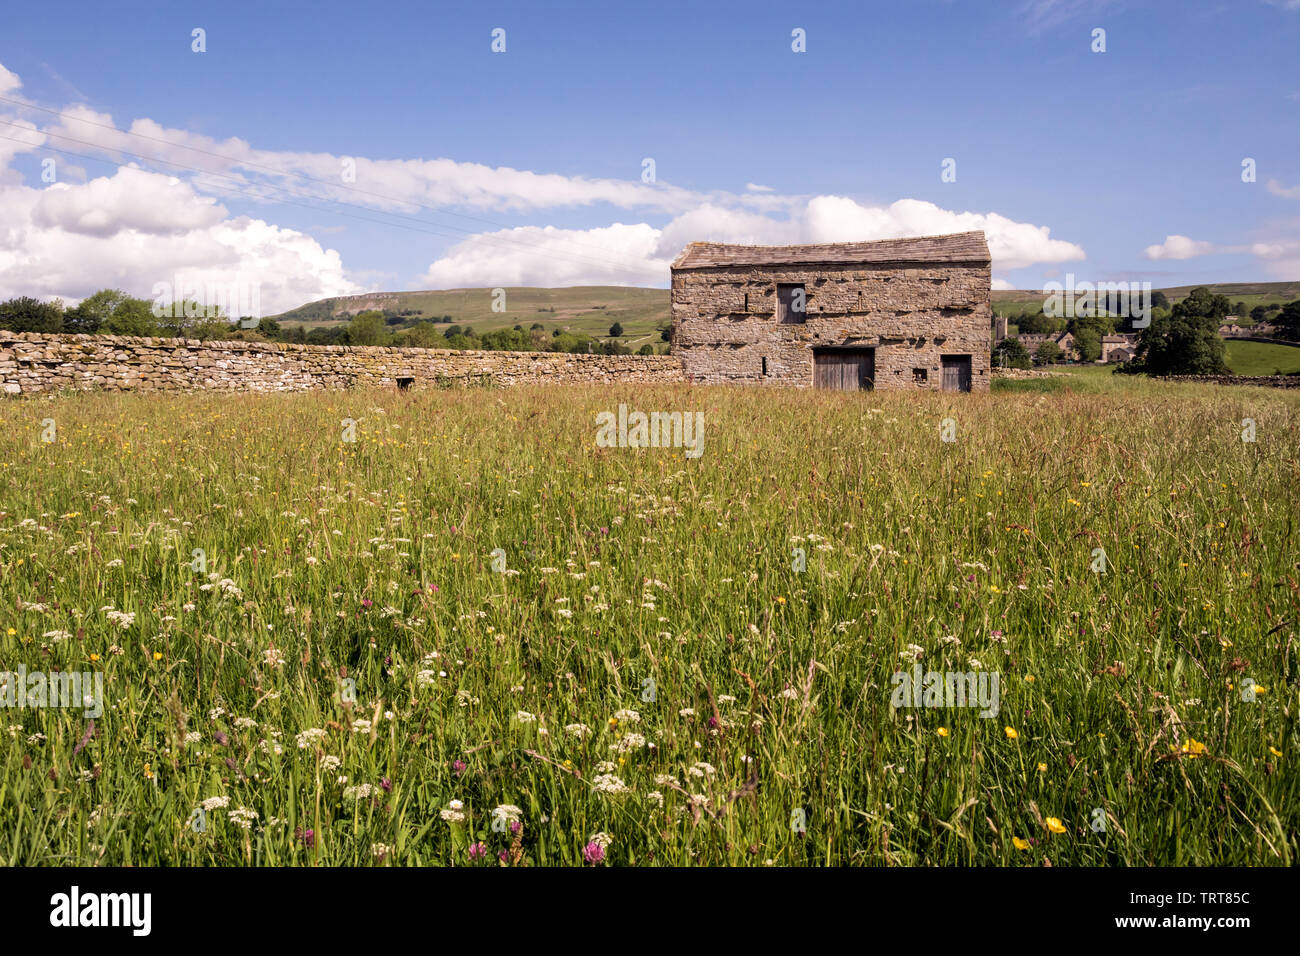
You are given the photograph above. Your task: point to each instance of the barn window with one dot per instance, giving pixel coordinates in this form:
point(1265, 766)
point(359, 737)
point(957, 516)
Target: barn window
point(764, 365)
point(791, 303)
point(919, 376)
point(405, 383)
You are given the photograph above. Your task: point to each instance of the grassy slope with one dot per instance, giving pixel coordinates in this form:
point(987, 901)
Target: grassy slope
point(1262, 358)
point(589, 309)
point(372, 559)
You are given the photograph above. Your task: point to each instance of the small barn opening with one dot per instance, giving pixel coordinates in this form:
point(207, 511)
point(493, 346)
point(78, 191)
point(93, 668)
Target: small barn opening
point(404, 384)
point(791, 303)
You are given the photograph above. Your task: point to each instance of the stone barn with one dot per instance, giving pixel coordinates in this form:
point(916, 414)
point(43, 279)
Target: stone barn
point(895, 314)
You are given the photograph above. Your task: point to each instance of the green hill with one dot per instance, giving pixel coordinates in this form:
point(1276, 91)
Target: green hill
point(587, 309)
point(1014, 302)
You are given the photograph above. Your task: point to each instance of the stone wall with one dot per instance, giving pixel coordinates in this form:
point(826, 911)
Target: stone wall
point(34, 363)
point(1269, 381)
point(725, 321)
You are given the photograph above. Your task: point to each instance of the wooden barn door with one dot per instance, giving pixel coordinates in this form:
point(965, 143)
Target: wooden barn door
point(848, 370)
point(956, 373)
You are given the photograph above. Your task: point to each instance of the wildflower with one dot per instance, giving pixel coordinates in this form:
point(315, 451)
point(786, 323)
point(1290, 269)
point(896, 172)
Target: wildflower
point(608, 783)
point(243, 817)
point(628, 743)
point(1055, 825)
point(1019, 844)
point(1012, 733)
point(577, 730)
point(943, 731)
point(1042, 768)
point(454, 812)
point(507, 812)
point(524, 717)
point(1192, 748)
point(477, 851)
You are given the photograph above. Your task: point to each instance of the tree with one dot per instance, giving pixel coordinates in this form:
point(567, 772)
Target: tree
point(132, 317)
point(1087, 342)
point(616, 330)
point(93, 312)
point(1010, 353)
point(1186, 342)
point(368, 328)
point(646, 349)
point(1159, 300)
point(1202, 303)
point(1288, 322)
point(424, 336)
point(270, 328)
point(1047, 353)
point(1256, 314)
point(26, 314)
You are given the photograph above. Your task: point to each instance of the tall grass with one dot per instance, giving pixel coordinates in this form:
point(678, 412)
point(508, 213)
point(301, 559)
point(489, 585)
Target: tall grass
point(639, 580)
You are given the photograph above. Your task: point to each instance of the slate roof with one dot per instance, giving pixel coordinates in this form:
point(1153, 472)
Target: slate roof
point(957, 247)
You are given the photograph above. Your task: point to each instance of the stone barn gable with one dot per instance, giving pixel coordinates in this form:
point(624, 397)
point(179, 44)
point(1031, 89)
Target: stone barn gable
point(894, 314)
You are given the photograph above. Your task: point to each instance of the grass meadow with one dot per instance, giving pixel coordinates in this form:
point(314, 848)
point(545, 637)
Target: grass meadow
point(345, 675)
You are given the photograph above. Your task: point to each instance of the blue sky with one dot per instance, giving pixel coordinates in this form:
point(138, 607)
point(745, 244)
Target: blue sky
point(525, 167)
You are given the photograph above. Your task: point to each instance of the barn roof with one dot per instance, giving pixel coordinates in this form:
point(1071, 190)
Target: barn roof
point(957, 247)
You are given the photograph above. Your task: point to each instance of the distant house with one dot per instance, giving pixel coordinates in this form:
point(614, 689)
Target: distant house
point(1118, 348)
point(1062, 340)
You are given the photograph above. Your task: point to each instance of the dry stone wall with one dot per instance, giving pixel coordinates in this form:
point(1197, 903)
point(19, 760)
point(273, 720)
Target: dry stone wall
point(32, 363)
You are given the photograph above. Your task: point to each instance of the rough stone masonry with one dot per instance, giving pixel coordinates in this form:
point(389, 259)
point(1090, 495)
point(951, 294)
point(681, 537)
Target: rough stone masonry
point(33, 363)
point(896, 314)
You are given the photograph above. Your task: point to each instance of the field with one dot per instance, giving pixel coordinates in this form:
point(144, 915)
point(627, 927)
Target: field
point(1261, 358)
point(579, 309)
point(313, 636)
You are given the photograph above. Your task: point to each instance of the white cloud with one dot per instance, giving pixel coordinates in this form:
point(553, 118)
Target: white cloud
point(756, 188)
point(1001, 285)
point(546, 256)
point(9, 81)
point(1013, 245)
point(1286, 192)
point(56, 244)
point(641, 254)
point(1179, 247)
point(132, 199)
